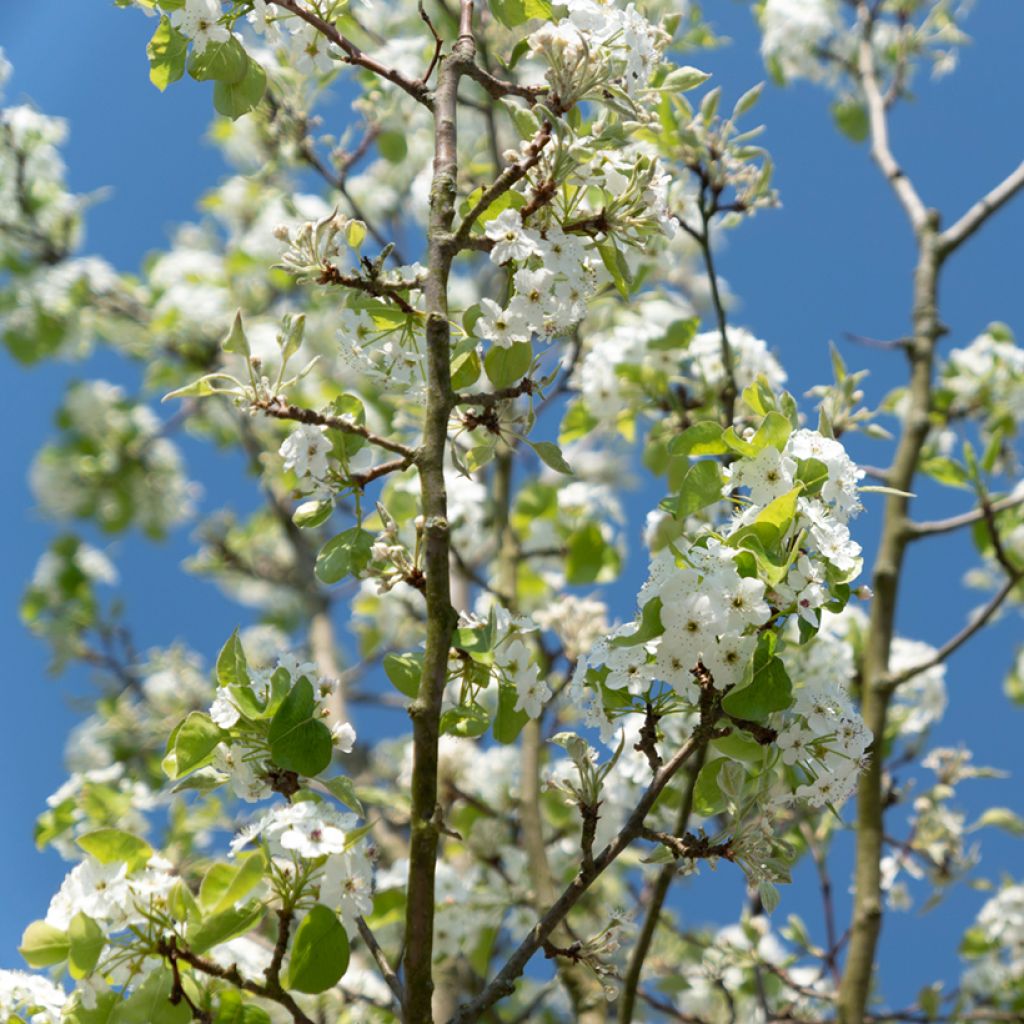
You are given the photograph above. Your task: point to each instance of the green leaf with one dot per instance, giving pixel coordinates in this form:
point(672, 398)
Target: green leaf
point(747, 100)
point(708, 799)
point(615, 264)
point(233, 99)
point(404, 671)
point(586, 554)
point(296, 325)
point(392, 146)
point(780, 512)
point(112, 846)
point(220, 62)
point(505, 366)
point(702, 486)
point(232, 668)
point(195, 743)
point(526, 121)
point(508, 723)
point(319, 955)
point(930, 1000)
point(166, 51)
point(466, 720)
point(1001, 817)
point(225, 884)
point(201, 388)
point(703, 438)
point(576, 423)
point(86, 940)
point(151, 1003)
point(851, 117)
point(465, 369)
point(682, 79)
point(43, 945)
point(769, 896)
point(231, 1009)
point(774, 430)
point(343, 788)
point(769, 688)
point(298, 741)
point(813, 474)
point(650, 626)
point(223, 927)
point(236, 341)
point(348, 554)
point(512, 13)
point(737, 444)
point(946, 471)
point(551, 455)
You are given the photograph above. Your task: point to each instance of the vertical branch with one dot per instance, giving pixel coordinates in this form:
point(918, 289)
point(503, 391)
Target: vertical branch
point(876, 688)
point(729, 389)
point(425, 710)
point(584, 990)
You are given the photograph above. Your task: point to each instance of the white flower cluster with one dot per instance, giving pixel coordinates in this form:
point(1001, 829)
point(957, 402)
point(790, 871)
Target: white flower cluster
point(825, 738)
point(999, 926)
point(751, 359)
point(712, 615)
point(386, 354)
point(199, 20)
point(311, 831)
point(70, 294)
point(35, 206)
point(795, 34)
point(112, 464)
point(30, 997)
point(308, 50)
point(547, 300)
point(987, 374)
point(597, 45)
point(108, 893)
point(189, 285)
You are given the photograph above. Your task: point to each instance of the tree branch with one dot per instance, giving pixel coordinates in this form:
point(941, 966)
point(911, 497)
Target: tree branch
point(958, 233)
point(425, 710)
point(418, 90)
point(281, 410)
point(631, 982)
point(504, 982)
point(381, 960)
point(879, 125)
point(940, 526)
point(498, 88)
point(168, 948)
point(508, 177)
point(956, 642)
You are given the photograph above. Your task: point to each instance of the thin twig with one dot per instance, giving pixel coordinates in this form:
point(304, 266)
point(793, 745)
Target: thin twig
point(955, 643)
point(504, 982)
point(386, 971)
point(353, 55)
point(281, 410)
point(880, 148)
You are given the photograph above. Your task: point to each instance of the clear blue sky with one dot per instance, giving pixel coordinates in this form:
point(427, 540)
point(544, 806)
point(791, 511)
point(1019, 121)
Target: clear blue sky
point(837, 257)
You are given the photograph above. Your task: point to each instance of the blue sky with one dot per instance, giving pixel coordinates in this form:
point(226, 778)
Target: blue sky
point(836, 257)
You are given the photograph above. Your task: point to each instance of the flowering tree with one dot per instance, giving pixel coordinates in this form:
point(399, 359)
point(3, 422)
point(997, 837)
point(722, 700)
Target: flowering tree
point(441, 448)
